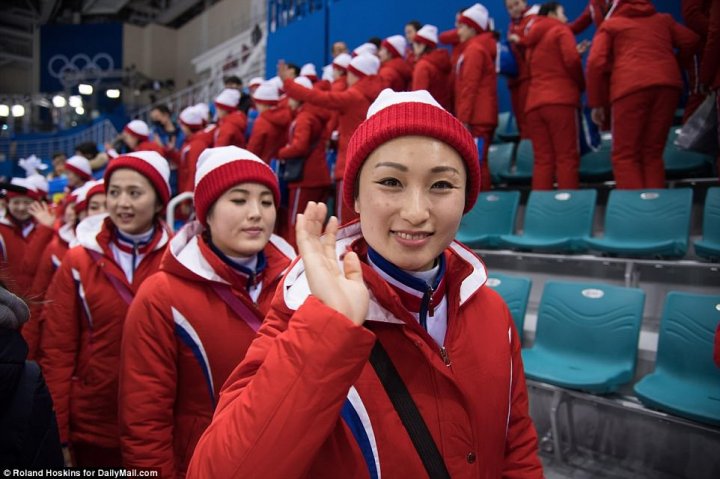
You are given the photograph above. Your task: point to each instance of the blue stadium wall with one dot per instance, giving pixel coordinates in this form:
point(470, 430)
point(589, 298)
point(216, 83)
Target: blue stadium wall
point(308, 39)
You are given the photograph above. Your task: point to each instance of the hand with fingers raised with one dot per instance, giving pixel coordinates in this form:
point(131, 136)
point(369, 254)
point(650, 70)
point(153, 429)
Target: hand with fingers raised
point(343, 291)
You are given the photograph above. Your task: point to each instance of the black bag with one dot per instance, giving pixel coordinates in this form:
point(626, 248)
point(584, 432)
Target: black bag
point(292, 170)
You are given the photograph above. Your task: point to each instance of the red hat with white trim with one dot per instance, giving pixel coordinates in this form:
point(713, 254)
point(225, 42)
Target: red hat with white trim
point(87, 191)
point(220, 168)
point(255, 81)
point(342, 61)
point(308, 71)
point(417, 113)
point(395, 45)
point(193, 118)
point(80, 166)
point(267, 94)
point(427, 35)
point(138, 129)
point(228, 99)
point(364, 65)
point(476, 17)
point(18, 187)
point(150, 164)
point(366, 48)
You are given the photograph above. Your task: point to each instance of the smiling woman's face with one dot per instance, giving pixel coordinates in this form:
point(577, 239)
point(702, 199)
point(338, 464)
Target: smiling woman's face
point(411, 196)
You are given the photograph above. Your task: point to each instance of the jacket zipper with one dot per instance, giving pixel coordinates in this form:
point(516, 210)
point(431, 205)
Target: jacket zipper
point(445, 356)
point(427, 307)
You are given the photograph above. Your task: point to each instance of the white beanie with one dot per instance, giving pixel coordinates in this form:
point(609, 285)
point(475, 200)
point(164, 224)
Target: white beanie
point(192, 117)
point(364, 65)
point(365, 48)
point(327, 73)
point(267, 93)
point(39, 183)
point(150, 164)
point(304, 81)
point(277, 81)
point(308, 70)
point(395, 45)
point(342, 61)
point(428, 35)
point(204, 110)
point(221, 168)
point(138, 129)
point(476, 17)
point(228, 99)
point(80, 166)
point(255, 81)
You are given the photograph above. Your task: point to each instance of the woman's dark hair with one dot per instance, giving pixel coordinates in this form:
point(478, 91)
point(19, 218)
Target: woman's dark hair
point(377, 41)
point(87, 149)
point(294, 68)
point(549, 7)
point(415, 24)
point(162, 109)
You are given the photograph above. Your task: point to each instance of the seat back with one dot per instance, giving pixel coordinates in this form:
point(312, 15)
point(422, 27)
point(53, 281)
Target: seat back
point(500, 159)
point(687, 332)
point(649, 215)
point(711, 215)
point(596, 165)
point(560, 214)
point(592, 321)
point(515, 291)
point(524, 160)
point(494, 213)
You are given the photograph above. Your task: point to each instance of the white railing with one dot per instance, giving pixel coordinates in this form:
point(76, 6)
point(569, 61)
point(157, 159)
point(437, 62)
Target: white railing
point(44, 148)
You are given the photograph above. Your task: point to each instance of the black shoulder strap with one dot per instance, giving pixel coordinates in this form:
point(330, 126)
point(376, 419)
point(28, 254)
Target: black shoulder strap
point(409, 413)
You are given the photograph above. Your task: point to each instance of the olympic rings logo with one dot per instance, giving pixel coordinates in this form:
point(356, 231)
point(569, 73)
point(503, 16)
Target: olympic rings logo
point(60, 67)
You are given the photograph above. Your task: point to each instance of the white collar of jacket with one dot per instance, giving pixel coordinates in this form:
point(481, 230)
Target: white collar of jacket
point(296, 288)
point(89, 229)
point(67, 233)
point(186, 251)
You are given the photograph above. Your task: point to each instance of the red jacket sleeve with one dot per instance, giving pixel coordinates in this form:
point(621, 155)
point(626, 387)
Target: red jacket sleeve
point(571, 57)
point(599, 65)
point(300, 144)
point(421, 76)
point(191, 159)
point(449, 37)
point(582, 22)
point(225, 135)
point(711, 55)
point(60, 341)
point(40, 239)
point(308, 360)
point(685, 40)
point(333, 100)
point(148, 370)
point(694, 16)
point(32, 329)
point(259, 137)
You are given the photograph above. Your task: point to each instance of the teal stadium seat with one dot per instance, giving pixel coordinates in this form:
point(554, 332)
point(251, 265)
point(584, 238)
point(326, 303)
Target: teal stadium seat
point(515, 291)
point(654, 223)
point(596, 165)
point(506, 130)
point(493, 215)
point(500, 159)
point(559, 221)
point(587, 336)
point(709, 246)
point(680, 163)
point(523, 169)
point(686, 381)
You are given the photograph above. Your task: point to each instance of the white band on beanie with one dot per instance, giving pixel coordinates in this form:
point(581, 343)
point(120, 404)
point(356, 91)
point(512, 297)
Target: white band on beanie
point(267, 92)
point(365, 64)
point(308, 70)
point(139, 128)
point(342, 61)
point(79, 165)
point(193, 117)
point(428, 33)
point(397, 43)
point(478, 16)
point(304, 81)
point(228, 98)
point(365, 48)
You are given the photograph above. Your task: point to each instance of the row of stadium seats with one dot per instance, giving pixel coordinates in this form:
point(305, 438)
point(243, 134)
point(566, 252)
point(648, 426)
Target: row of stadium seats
point(587, 338)
point(638, 223)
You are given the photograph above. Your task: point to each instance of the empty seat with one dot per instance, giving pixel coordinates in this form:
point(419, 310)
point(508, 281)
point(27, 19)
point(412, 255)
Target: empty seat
point(709, 246)
point(686, 381)
point(493, 215)
point(679, 162)
point(500, 159)
point(522, 171)
point(646, 223)
point(556, 221)
point(515, 291)
point(586, 337)
point(507, 128)
point(596, 165)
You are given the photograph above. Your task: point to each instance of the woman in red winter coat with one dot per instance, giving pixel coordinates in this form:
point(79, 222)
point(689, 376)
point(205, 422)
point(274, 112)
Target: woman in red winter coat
point(633, 66)
point(306, 401)
point(394, 70)
point(193, 321)
point(89, 297)
point(432, 66)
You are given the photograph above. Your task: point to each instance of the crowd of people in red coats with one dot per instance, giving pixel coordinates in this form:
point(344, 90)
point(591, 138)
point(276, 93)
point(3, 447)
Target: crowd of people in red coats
point(137, 330)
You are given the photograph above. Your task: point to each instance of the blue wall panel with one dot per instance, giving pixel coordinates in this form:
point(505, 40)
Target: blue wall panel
point(300, 42)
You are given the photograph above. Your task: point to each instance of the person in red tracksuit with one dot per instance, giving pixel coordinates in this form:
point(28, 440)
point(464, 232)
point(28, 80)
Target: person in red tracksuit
point(306, 401)
point(192, 322)
point(632, 64)
point(88, 200)
point(594, 13)
point(232, 122)
point(451, 37)
point(553, 99)
point(410, 30)
point(136, 135)
point(394, 70)
point(696, 15)
point(520, 16)
point(340, 65)
point(88, 299)
point(432, 66)
point(196, 141)
point(17, 229)
point(269, 133)
point(306, 142)
point(710, 67)
point(363, 87)
point(476, 102)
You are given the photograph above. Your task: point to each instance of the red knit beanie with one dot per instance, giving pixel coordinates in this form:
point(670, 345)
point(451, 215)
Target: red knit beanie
point(416, 113)
point(220, 168)
point(150, 164)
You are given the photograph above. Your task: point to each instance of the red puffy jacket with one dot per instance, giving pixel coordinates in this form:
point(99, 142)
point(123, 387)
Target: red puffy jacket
point(190, 152)
point(269, 132)
point(287, 409)
point(352, 104)
point(14, 245)
point(594, 12)
point(180, 343)
point(231, 130)
point(633, 50)
point(307, 141)
point(82, 330)
point(519, 27)
point(476, 82)
point(396, 74)
point(556, 75)
point(710, 66)
point(432, 73)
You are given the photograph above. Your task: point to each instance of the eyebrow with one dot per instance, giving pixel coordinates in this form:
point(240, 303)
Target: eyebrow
point(241, 190)
point(391, 164)
point(443, 169)
point(436, 169)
